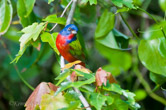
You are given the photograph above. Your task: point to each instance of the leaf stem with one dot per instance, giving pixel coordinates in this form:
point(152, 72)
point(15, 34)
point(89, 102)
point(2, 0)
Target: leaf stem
point(148, 89)
point(153, 19)
point(15, 66)
point(131, 30)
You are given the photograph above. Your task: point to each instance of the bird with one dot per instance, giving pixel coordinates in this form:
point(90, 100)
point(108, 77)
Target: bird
point(69, 45)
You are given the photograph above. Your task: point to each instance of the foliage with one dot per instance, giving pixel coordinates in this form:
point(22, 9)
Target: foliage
point(115, 46)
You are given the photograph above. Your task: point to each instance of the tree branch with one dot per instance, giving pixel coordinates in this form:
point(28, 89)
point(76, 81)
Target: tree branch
point(69, 18)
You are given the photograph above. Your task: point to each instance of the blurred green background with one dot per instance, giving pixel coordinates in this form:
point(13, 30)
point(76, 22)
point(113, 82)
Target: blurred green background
point(42, 66)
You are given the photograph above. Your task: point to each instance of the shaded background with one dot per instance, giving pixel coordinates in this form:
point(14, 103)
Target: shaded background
point(38, 66)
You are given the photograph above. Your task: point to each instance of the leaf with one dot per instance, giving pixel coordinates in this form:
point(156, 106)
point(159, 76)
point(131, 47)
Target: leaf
point(105, 24)
point(140, 94)
point(124, 9)
point(66, 85)
point(129, 95)
point(158, 79)
point(121, 3)
point(50, 38)
point(29, 4)
point(30, 32)
point(154, 31)
point(72, 99)
point(19, 54)
point(102, 76)
point(12, 34)
point(162, 4)
point(119, 59)
point(113, 87)
point(69, 65)
point(90, 1)
point(49, 1)
point(36, 96)
point(97, 100)
point(24, 9)
point(81, 68)
point(62, 76)
point(6, 11)
point(93, 2)
point(51, 102)
point(150, 56)
point(54, 19)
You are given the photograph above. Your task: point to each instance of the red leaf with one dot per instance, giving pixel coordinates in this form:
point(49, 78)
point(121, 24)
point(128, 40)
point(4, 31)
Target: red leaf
point(102, 76)
point(35, 97)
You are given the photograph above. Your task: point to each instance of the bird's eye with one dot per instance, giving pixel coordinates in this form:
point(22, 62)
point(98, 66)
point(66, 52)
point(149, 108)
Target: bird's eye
point(69, 29)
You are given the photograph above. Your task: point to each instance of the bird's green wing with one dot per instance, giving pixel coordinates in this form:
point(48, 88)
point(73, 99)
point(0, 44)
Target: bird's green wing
point(76, 50)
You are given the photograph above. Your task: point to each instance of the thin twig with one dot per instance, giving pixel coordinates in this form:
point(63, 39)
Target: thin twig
point(15, 66)
point(62, 14)
point(131, 30)
point(69, 18)
point(153, 19)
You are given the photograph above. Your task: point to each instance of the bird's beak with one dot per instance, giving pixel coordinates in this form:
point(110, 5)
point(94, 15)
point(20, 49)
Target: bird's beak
point(74, 32)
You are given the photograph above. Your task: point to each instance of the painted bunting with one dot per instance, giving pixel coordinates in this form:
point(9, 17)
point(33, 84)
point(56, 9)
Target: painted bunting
point(69, 46)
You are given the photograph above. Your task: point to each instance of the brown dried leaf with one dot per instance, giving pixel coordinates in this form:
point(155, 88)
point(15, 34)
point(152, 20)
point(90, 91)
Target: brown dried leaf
point(111, 78)
point(69, 65)
point(35, 97)
point(73, 76)
point(102, 76)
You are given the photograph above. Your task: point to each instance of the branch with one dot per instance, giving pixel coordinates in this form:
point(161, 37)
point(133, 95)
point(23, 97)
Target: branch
point(15, 66)
point(153, 19)
point(69, 18)
point(62, 14)
point(131, 30)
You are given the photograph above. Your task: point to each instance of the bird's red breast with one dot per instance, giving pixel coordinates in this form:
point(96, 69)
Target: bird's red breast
point(63, 47)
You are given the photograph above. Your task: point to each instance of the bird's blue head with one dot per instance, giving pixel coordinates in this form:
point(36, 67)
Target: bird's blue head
point(69, 29)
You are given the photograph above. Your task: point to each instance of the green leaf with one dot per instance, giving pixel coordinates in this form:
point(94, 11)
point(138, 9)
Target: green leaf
point(24, 9)
point(12, 34)
point(62, 76)
point(55, 19)
point(93, 2)
point(117, 58)
point(140, 94)
point(154, 31)
point(110, 100)
point(113, 69)
point(30, 32)
point(6, 11)
point(118, 104)
point(150, 56)
point(158, 79)
point(97, 100)
point(66, 85)
point(85, 75)
point(49, 1)
point(108, 41)
point(29, 4)
point(90, 1)
point(162, 47)
point(19, 54)
point(50, 38)
point(124, 9)
point(113, 87)
point(121, 3)
point(162, 4)
point(105, 24)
